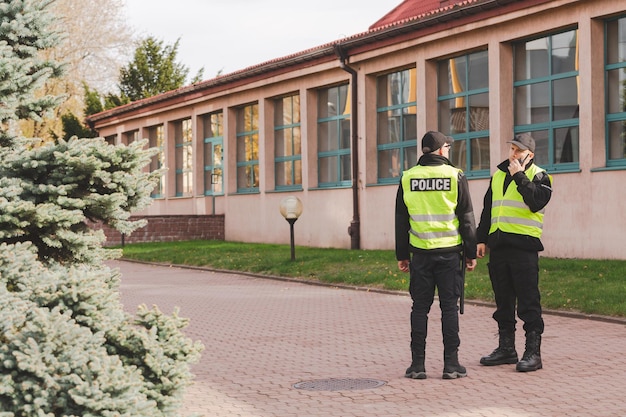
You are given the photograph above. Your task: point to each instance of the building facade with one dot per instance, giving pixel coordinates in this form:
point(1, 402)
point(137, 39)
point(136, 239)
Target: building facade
point(337, 124)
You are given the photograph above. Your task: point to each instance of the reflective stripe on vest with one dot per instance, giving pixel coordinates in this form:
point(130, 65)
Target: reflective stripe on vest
point(509, 213)
point(430, 194)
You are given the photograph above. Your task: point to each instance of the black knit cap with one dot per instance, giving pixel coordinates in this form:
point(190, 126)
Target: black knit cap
point(524, 141)
point(434, 140)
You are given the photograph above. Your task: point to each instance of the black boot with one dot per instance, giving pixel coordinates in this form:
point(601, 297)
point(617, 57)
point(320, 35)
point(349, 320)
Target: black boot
point(531, 361)
point(451, 367)
point(505, 353)
point(417, 369)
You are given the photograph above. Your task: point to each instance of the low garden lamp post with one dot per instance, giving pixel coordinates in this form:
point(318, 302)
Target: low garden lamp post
point(291, 209)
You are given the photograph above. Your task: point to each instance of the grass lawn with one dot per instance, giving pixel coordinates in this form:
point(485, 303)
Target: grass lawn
point(583, 285)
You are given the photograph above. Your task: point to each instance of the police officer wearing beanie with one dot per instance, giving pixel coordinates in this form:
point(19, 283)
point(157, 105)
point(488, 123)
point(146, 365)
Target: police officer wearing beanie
point(510, 226)
point(434, 223)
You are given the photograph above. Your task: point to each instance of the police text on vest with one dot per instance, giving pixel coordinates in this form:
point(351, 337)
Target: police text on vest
point(430, 184)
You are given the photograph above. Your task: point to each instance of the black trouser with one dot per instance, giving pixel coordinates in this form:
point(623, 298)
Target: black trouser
point(514, 277)
point(428, 271)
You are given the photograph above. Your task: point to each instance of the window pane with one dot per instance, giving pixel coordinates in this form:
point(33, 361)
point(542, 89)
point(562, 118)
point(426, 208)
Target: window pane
point(565, 99)
point(346, 168)
point(328, 169)
point(480, 153)
point(241, 149)
point(252, 148)
point(478, 70)
point(479, 112)
point(389, 163)
point(564, 52)
point(410, 127)
point(458, 154)
point(541, 147)
point(345, 134)
point(566, 145)
point(243, 181)
point(617, 140)
point(217, 181)
point(217, 154)
point(213, 125)
point(280, 143)
point(283, 173)
point(444, 78)
point(328, 140)
point(531, 59)
point(297, 140)
point(325, 106)
point(451, 119)
point(532, 103)
point(616, 90)
point(388, 127)
point(410, 156)
point(616, 41)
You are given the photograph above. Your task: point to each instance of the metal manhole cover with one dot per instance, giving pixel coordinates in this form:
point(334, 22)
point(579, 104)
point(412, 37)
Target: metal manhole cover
point(339, 384)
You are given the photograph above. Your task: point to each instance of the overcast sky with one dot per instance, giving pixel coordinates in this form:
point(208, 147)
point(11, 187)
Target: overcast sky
point(230, 35)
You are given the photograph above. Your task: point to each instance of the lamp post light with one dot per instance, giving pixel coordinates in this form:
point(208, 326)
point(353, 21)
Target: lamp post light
point(291, 209)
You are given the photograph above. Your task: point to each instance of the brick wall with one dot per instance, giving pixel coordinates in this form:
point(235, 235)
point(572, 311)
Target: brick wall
point(169, 229)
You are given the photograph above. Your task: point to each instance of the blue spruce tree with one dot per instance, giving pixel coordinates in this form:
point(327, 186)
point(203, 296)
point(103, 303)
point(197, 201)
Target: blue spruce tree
point(67, 348)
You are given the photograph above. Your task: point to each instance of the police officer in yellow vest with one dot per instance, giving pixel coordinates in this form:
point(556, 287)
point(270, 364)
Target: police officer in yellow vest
point(510, 226)
point(435, 223)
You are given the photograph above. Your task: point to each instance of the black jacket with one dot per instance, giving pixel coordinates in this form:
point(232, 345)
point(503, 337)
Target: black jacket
point(536, 194)
point(464, 212)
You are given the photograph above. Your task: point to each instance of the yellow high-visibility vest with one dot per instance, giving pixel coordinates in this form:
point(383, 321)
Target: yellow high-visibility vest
point(431, 194)
point(509, 213)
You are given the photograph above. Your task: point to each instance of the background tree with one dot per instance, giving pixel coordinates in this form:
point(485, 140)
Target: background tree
point(94, 43)
point(153, 71)
point(67, 347)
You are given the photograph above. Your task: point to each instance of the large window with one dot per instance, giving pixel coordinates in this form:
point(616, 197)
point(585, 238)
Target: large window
point(156, 140)
point(183, 139)
point(463, 88)
point(616, 91)
point(333, 137)
point(287, 143)
point(546, 98)
point(248, 148)
point(213, 127)
point(396, 124)
point(130, 137)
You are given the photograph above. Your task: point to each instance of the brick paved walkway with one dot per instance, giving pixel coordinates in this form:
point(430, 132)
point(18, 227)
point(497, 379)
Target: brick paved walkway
point(262, 336)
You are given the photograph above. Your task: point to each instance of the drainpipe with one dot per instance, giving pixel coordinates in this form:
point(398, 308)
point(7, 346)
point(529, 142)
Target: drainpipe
point(355, 225)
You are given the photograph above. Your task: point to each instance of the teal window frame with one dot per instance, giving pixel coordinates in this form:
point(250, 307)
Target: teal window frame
point(396, 124)
point(614, 65)
point(213, 126)
point(183, 150)
point(156, 139)
point(332, 110)
point(548, 131)
point(462, 93)
point(247, 139)
point(288, 133)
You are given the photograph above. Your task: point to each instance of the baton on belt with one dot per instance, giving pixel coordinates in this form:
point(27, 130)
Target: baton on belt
point(462, 299)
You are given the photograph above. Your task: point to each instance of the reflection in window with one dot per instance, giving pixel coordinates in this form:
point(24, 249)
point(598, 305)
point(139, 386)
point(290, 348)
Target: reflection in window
point(287, 142)
point(546, 97)
point(615, 68)
point(463, 89)
point(156, 140)
point(213, 127)
point(333, 136)
point(396, 134)
point(183, 140)
point(248, 148)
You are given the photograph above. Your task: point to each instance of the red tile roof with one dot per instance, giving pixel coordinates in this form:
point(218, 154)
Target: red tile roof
point(409, 9)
